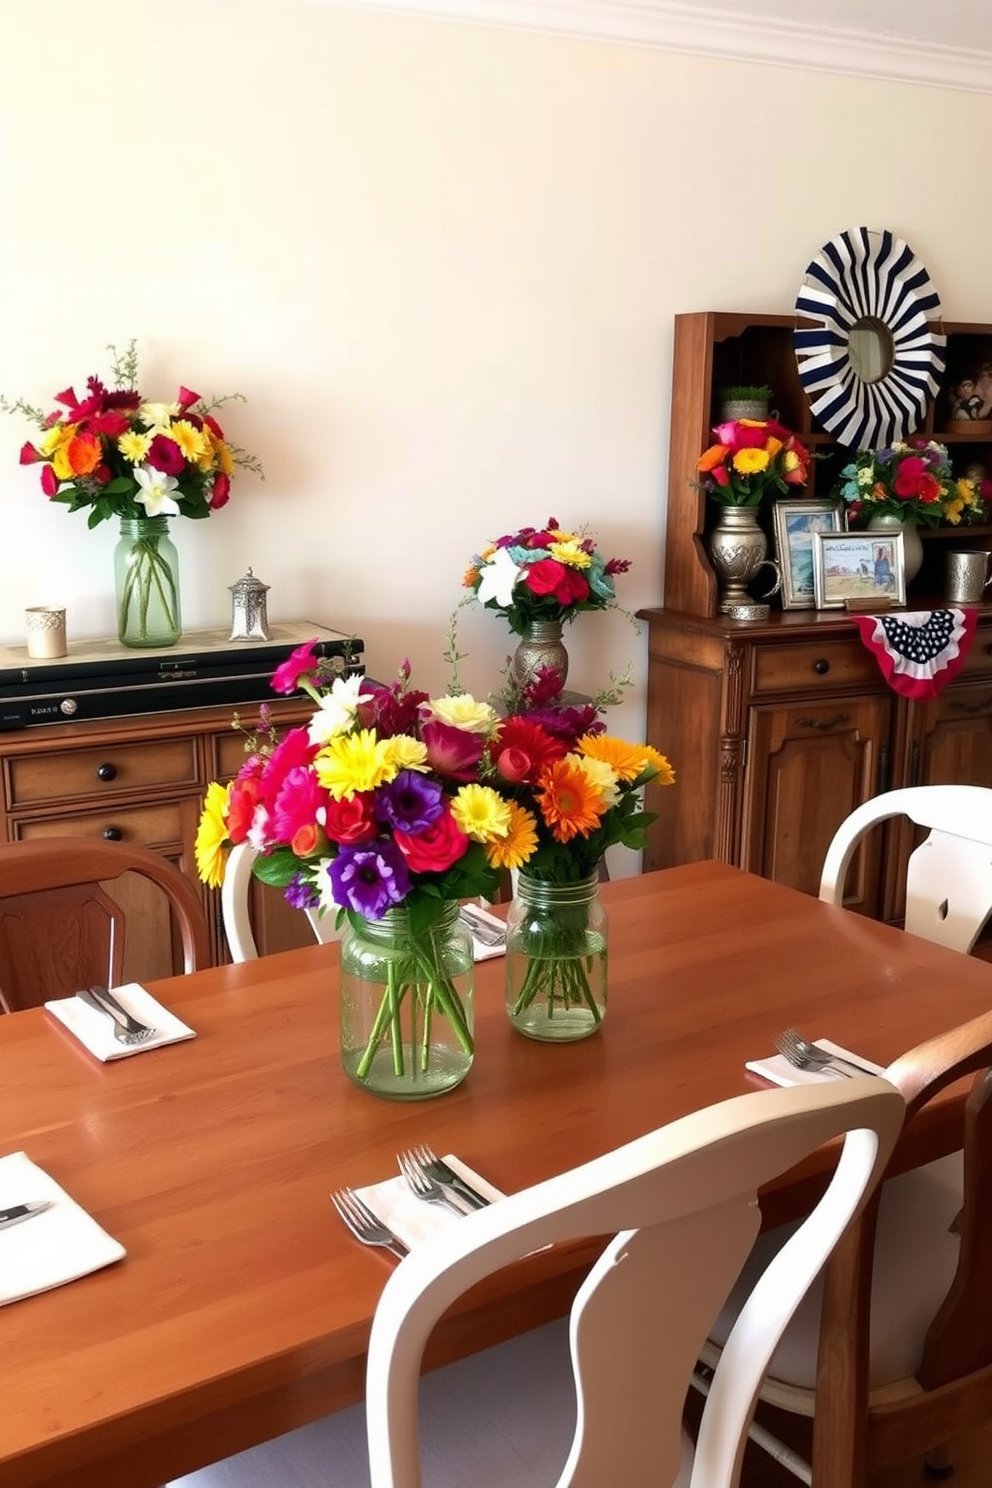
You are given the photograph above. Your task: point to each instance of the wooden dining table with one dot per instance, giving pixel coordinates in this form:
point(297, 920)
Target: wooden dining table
point(243, 1306)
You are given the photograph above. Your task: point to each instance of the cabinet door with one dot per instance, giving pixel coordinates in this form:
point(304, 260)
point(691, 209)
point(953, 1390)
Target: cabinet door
point(808, 766)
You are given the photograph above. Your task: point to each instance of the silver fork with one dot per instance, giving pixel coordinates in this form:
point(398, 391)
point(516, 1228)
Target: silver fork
point(127, 1030)
point(429, 1163)
point(364, 1225)
point(423, 1185)
point(804, 1055)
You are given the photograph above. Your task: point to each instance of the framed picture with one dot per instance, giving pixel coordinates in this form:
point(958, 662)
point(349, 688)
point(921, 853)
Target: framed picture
point(861, 566)
point(795, 522)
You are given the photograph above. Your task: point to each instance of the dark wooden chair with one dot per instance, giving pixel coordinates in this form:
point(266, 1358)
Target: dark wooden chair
point(891, 1355)
point(78, 911)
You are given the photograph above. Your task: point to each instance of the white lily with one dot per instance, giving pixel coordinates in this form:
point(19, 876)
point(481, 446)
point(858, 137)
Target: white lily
point(497, 578)
point(337, 711)
point(154, 494)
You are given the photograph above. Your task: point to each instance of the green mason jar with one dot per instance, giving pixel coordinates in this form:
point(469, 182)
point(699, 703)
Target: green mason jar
point(406, 1012)
point(146, 582)
point(556, 958)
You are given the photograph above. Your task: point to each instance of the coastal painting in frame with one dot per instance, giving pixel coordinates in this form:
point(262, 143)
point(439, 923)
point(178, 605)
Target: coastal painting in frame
point(858, 566)
point(795, 522)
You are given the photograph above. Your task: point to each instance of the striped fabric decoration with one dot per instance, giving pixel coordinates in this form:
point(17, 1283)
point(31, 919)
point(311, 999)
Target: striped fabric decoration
point(867, 275)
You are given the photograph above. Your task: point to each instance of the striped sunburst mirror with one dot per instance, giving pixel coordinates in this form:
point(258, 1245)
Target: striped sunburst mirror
point(869, 356)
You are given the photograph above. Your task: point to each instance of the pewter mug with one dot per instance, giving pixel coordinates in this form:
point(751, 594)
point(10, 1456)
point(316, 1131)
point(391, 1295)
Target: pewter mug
point(967, 576)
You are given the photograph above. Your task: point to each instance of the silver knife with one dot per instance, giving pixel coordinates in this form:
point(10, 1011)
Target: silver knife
point(20, 1212)
point(851, 1064)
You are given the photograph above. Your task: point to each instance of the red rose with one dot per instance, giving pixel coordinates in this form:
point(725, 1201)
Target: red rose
point(351, 821)
point(436, 849)
point(221, 491)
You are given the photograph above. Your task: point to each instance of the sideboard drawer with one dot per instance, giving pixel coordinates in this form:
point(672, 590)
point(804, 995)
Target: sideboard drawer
point(109, 770)
point(813, 665)
point(147, 826)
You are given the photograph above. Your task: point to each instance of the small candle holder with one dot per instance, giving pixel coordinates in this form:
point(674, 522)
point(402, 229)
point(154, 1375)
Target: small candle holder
point(248, 617)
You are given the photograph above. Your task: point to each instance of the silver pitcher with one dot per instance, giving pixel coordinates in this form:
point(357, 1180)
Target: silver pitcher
point(968, 576)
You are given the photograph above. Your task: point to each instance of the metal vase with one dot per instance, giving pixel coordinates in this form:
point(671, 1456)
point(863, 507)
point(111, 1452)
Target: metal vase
point(540, 648)
point(738, 549)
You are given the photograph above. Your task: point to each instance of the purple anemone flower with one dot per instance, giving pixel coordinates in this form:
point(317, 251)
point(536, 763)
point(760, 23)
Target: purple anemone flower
point(411, 802)
point(301, 894)
point(370, 879)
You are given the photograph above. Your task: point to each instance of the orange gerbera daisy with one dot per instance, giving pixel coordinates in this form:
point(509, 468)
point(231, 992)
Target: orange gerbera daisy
point(570, 802)
point(519, 843)
point(627, 760)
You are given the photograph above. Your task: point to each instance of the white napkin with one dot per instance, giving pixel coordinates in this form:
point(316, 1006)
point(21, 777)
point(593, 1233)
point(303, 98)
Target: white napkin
point(482, 951)
point(778, 1069)
point(96, 1030)
point(413, 1219)
point(51, 1248)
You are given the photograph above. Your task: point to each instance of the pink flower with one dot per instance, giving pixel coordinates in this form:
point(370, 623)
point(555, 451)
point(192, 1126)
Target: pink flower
point(296, 805)
point(164, 454)
point(548, 576)
point(302, 663)
point(452, 752)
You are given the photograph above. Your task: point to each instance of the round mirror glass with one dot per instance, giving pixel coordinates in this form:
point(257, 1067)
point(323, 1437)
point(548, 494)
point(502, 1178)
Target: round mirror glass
point(871, 349)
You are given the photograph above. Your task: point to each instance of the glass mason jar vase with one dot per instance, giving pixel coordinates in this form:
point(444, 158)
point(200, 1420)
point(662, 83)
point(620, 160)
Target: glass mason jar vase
point(406, 1004)
point(556, 958)
point(146, 582)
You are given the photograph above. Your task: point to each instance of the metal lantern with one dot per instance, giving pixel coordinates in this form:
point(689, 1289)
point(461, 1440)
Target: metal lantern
point(248, 618)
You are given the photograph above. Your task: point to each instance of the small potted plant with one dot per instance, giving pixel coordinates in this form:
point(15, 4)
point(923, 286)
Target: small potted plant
point(744, 401)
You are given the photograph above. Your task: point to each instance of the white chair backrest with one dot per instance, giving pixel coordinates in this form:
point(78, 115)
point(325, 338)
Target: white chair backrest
point(682, 1205)
point(234, 903)
point(948, 877)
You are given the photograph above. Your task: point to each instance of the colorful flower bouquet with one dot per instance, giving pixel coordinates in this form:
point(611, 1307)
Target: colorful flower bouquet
point(121, 456)
point(751, 459)
point(543, 573)
point(910, 481)
point(392, 800)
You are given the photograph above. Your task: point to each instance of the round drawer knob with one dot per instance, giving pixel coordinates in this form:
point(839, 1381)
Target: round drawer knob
point(821, 667)
point(112, 834)
point(106, 772)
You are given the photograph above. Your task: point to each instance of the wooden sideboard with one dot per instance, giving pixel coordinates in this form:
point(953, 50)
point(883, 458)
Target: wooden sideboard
point(778, 730)
point(142, 779)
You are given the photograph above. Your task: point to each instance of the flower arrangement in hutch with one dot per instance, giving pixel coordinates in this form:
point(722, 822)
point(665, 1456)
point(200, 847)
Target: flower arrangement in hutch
point(751, 459)
point(539, 579)
point(389, 808)
point(115, 454)
point(908, 481)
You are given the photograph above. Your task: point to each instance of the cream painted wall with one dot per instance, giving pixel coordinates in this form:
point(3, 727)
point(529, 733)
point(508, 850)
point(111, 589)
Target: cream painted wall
point(442, 264)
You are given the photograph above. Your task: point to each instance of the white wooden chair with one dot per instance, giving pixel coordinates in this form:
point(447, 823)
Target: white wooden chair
point(235, 902)
point(948, 877)
point(682, 1205)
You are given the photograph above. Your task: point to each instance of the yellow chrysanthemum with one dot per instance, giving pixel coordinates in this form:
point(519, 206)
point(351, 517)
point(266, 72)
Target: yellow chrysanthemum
point(189, 439)
point(53, 437)
point(626, 760)
point(463, 712)
point(354, 762)
point(664, 774)
point(134, 446)
point(571, 553)
point(602, 776)
point(481, 813)
point(211, 835)
point(60, 452)
point(750, 461)
point(158, 415)
point(569, 800)
point(558, 534)
point(520, 842)
point(406, 753)
point(225, 460)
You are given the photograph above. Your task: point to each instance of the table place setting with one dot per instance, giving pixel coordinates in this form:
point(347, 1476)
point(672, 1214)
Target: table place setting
point(115, 1024)
point(488, 932)
point(46, 1238)
point(410, 1214)
point(802, 1061)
